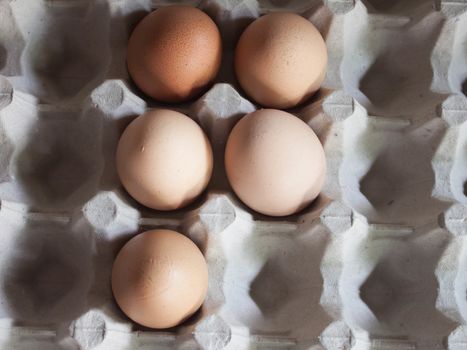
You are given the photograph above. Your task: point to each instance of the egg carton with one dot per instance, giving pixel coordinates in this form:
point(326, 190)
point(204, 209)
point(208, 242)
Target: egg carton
point(377, 262)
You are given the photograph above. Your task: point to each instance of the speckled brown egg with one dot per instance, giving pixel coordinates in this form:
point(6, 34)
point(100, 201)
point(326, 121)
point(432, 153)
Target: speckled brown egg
point(274, 162)
point(159, 278)
point(280, 60)
point(174, 53)
point(164, 159)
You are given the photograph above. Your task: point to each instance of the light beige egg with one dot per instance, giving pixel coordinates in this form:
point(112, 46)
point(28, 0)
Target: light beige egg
point(280, 60)
point(174, 53)
point(274, 162)
point(159, 278)
point(164, 159)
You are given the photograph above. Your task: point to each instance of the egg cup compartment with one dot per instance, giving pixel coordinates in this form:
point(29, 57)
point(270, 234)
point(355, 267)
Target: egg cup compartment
point(387, 62)
point(379, 182)
point(46, 267)
point(377, 263)
point(67, 48)
point(265, 286)
point(387, 285)
point(54, 159)
point(113, 219)
point(384, 285)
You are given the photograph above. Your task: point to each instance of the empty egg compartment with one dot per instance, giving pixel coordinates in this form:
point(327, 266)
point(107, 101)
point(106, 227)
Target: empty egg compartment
point(66, 48)
point(386, 285)
point(46, 270)
point(387, 58)
point(272, 282)
point(386, 172)
point(53, 159)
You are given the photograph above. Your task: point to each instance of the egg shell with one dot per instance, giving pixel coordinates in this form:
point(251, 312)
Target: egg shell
point(280, 60)
point(164, 159)
point(274, 162)
point(159, 278)
point(174, 53)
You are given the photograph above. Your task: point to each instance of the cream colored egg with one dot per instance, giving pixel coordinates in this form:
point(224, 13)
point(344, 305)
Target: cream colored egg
point(164, 159)
point(274, 162)
point(280, 60)
point(159, 278)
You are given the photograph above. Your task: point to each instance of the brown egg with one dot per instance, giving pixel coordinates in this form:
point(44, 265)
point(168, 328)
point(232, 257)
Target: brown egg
point(274, 162)
point(159, 278)
point(174, 53)
point(280, 60)
point(164, 159)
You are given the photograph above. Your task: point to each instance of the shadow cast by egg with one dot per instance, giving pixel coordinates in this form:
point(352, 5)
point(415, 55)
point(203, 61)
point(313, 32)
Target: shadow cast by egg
point(60, 165)
point(398, 80)
point(401, 291)
point(3, 57)
point(48, 274)
point(296, 6)
point(12, 42)
point(400, 181)
point(75, 61)
point(219, 181)
point(282, 298)
point(397, 7)
point(5, 154)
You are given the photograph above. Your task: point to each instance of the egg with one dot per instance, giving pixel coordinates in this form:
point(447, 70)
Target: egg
point(159, 278)
point(274, 162)
point(174, 53)
point(164, 159)
point(280, 60)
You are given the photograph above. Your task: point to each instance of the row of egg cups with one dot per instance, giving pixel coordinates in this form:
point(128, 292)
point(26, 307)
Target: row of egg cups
point(280, 58)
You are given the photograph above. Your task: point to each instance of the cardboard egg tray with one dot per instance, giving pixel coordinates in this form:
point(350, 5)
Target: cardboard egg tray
point(379, 261)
